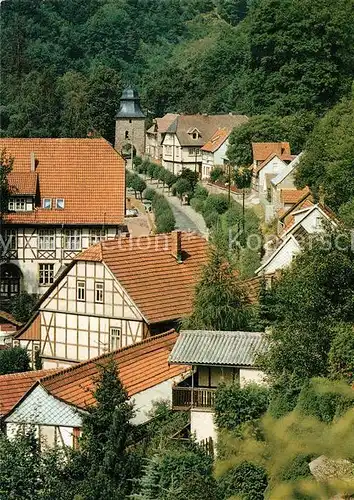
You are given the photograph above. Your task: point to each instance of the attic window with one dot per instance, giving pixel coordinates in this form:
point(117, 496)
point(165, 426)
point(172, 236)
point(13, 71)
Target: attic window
point(195, 135)
point(60, 203)
point(47, 203)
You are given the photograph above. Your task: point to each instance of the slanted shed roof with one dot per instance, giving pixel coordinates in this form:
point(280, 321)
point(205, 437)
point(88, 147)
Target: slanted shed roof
point(160, 286)
point(87, 173)
point(203, 347)
point(8, 318)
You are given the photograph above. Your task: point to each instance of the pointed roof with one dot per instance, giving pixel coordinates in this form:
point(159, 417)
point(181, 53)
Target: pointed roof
point(130, 105)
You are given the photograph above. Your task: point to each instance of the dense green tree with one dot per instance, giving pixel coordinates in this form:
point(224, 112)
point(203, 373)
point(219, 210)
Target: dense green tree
point(73, 88)
point(14, 360)
point(22, 305)
point(183, 187)
point(341, 354)
point(327, 165)
point(218, 302)
point(6, 163)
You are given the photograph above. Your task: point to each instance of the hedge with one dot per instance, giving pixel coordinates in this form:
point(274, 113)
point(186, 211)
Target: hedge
point(246, 480)
point(165, 221)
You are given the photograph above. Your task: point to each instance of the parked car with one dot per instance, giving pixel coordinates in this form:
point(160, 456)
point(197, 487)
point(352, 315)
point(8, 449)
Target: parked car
point(131, 212)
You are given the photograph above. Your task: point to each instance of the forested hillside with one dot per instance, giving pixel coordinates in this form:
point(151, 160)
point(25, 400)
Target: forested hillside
point(64, 62)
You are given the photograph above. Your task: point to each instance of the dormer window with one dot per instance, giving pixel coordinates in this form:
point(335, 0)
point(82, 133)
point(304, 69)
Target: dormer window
point(195, 135)
point(17, 204)
point(47, 203)
point(60, 203)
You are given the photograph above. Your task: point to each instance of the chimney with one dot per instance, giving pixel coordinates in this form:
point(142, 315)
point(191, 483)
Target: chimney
point(33, 162)
point(176, 250)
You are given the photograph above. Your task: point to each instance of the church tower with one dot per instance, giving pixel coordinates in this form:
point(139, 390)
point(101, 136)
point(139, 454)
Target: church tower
point(130, 124)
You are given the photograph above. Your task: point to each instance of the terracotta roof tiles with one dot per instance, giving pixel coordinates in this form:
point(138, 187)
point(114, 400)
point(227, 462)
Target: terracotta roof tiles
point(161, 287)
point(87, 173)
point(262, 150)
point(288, 196)
point(216, 140)
point(24, 183)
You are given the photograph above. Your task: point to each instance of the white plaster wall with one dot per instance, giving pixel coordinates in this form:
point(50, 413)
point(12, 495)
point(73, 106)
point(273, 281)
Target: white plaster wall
point(283, 258)
point(202, 424)
point(251, 375)
point(274, 166)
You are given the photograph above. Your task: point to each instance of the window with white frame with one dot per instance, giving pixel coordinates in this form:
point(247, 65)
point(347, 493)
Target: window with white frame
point(17, 204)
point(97, 235)
point(99, 292)
point(10, 239)
point(115, 338)
point(191, 151)
point(46, 239)
point(168, 150)
point(60, 203)
point(46, 274)
point(47, 203)
point(72, 239)
point(81, 290)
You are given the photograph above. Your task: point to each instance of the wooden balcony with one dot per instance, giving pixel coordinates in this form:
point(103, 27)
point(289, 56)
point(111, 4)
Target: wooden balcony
point(186, 397)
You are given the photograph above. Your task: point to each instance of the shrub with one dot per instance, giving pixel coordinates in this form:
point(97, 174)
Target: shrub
point(150, 170)
point(138, 184)
point(22, 305)
point(216, 203)
point(216, 174)
point(157, 171)
point(284, 394)
point(246, 480)
point(173, 190)
point(233, 215)
point(341, 354)
point(190, 176)
point(197, 204)
point(137, 161)
point(235, 405)
point(249, 261)
point(165, 222)
point(200, 192)
point(129, 176)
point(144, 167)
point(211, 219)
point(14, 360)
point(324, 400)
point(149, 193)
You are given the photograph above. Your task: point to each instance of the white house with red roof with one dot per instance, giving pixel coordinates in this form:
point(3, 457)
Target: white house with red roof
point(155, 135)
point(66, 194)
point(303, 223)
point(214, 151)
point(53, 401)
point(115, 294)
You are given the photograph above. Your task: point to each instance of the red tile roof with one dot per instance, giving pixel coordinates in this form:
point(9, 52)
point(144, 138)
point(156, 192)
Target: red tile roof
point(15, 385)
point(141, 366)
point(261, 150)
point(23, 183)
point(161, 124)
point(293, 195)
point(161, 287)
point(88, 173)
point(216, 140)
point(283, 157)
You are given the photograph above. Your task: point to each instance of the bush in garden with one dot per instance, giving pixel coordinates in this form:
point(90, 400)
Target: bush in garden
point(211, 218)
point(14, 360)
point(324, 399)
point(247, 481)
point(235, 405)
point(216, 174)
point(149, 193)
point(284, 395)
point(200, 192)
point(197, 204)
point(216, 203)
point(22, 306)
point(341, 354)
point(190, 176)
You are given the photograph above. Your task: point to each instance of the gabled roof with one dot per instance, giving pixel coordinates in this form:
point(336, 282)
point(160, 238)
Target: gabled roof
point(305, 212)
point(290, 238)
point(305, 201)
point(88, 173)
point(141, 366)
point(292, 196)
point(206, 125)
point(161, 125)
point(216, 140)
point(204, 347)
point(285, 158)
point(287, 170)
point(263, 150)
point(23, 183)
point(15, 385)
point(9, 318)
point(160, 286)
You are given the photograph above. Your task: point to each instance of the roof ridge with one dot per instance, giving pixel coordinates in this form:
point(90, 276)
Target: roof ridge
point(106, 355)
point(29, 372)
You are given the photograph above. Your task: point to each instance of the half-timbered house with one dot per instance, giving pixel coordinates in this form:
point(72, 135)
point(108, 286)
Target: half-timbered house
point(114, 294)
point(54, 401)
point(66, 195)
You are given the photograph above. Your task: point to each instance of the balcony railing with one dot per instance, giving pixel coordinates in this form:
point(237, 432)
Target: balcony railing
point(186, 397)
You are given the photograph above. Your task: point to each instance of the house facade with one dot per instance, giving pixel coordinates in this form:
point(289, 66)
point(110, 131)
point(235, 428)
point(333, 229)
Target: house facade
point(214, 152)
point(54, 401)
point(215, 357)
point(113, 295)
point(187, 134)
point(304, 223)
point(155, 135)
point(60, 204)
point(284, 180)
point(270, 158)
